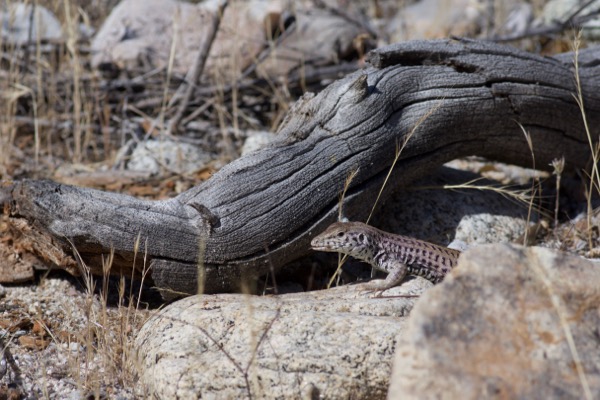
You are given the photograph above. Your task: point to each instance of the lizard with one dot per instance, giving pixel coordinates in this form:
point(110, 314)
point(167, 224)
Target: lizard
point(397, 255)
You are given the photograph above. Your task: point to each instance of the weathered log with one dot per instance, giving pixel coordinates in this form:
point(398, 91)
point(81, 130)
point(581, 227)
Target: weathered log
point(475, 96)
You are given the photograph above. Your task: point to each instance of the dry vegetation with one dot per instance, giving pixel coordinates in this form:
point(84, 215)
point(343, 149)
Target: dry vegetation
point(59, 118)
point(64, 336)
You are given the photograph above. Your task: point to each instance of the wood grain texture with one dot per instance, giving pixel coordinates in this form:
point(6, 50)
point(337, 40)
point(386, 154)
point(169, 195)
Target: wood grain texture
point(477, 94)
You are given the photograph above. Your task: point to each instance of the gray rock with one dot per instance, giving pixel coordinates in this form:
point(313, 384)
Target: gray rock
point(16, 24)
point(558, 11)
point(142, 33)
point(498, 327)
point(430, 19)
point(428, 211)
point(336, 343)
point(256, 141)
point(156, 156)
point(319, 36)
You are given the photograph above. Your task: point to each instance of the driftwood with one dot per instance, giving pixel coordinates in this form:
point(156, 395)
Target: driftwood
point(470, 96)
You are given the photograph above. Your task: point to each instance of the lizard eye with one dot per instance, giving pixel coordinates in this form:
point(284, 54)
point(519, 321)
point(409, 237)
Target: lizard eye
point(361, 237)
point(340, 234)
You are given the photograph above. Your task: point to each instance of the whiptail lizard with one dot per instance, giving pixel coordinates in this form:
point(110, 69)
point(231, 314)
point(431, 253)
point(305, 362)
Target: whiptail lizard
point(395, 254)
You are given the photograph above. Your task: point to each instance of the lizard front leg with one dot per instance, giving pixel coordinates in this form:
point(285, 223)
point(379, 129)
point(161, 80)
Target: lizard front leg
point(397, 273)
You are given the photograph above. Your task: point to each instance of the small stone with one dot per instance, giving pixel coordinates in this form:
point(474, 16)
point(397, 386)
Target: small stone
point(257, 141)
point(158, 156)
point(75, 347)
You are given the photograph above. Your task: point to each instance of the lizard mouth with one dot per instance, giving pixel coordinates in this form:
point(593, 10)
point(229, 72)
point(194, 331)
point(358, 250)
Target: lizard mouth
point(316, 245)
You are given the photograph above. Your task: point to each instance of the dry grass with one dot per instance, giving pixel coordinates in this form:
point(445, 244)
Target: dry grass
point(55, 100)
point(558, 302)
point(50, 92)
point(56, 109)
point(110, 358)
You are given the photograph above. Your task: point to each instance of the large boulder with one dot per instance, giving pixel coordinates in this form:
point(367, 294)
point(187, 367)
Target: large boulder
point(508, 322)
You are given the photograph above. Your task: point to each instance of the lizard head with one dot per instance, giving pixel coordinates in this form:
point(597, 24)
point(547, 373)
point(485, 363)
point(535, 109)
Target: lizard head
point(352, 238)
